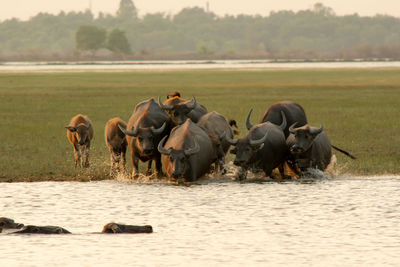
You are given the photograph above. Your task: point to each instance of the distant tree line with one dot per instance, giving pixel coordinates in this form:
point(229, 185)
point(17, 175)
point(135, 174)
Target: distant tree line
point(316, 33)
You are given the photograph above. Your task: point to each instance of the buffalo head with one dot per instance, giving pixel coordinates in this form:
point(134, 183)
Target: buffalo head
point(144, 137)
point(304, 137)
point(245, 148)
point(81, 133)
point(178, 157)
point(178, 110)
point(8, 223)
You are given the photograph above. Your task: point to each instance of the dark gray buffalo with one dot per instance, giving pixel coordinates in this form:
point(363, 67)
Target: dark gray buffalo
point(33, 229)
point(188, 152)
point(117, 228)
point(7, 223)
point(180, 109)
point(263, 147)
point(219, 129)
point(293, 112)
point(310, 148)
point(146, 127)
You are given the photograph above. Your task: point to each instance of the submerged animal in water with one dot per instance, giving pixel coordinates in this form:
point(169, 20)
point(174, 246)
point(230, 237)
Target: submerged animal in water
point(79, 134)
point(7, 223)
point(117, 228)
point(33, 229)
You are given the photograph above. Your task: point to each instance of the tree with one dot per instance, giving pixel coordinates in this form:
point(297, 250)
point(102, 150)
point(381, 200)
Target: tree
point(118, 43)
point(127, 10)
point(90, 38)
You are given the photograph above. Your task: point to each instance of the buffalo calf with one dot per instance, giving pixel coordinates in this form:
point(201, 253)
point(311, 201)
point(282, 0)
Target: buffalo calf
point(79, 134)
point(116, 144)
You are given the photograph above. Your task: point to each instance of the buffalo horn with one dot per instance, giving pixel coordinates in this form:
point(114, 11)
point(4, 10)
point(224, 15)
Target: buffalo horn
point(133, 132)
point(167, 107)
point(161, 148)
point(233, 142)
point(292, 129)
point(159, 130)
point(194, 150)
point(248, 124)
point(259, 141)
point(315, 131)
point(284, 122)
point(192, 103)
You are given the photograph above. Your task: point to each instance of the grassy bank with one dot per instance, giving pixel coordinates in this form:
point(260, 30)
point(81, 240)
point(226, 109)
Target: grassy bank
point(359, 108)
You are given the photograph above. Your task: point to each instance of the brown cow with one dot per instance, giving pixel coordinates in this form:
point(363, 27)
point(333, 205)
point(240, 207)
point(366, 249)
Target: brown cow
point(116, 143)
point(79, 134)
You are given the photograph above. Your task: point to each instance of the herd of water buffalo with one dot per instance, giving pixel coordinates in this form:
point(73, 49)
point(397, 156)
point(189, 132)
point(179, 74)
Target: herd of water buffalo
point(188, 141)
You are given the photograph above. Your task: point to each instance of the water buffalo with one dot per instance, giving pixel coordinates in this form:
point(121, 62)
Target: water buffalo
point(293, 112)
point(146, 127)
point(263, 147)
point(116, 228)
point(79, 134)
point(116, 144)
point(179, 109)
point(188, 152)
point(33, 229)
point(7, 223)
point(310, 147)
point(218, 128)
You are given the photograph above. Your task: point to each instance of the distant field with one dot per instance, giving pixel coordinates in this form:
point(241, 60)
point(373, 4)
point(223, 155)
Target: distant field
point(360, 109)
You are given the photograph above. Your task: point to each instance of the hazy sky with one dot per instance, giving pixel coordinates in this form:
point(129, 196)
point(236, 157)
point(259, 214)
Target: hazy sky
point(24, 9)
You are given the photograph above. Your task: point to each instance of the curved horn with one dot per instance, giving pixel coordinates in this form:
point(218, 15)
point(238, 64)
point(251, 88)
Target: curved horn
point(133, 132)
point(248, 124)
point(317, 131)
point(233, 142)
point(192, 104)
point(292, 129)
point(284, 122)
point(194, 150)
point(161, 148)
point(159, 130)
point(259, 141)
point(167, 107)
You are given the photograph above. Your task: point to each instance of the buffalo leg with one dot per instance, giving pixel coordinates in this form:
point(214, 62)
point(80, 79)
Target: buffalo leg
point(159, 167)
point(86, 155)
point(77, 154)
point(123, 159)
point(135, 165)
point(149, 172)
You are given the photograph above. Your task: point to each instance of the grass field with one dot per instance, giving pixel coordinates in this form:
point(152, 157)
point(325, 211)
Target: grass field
point(360, 109)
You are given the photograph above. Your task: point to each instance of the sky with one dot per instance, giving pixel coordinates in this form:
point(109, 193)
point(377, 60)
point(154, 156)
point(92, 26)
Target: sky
point(24, 9)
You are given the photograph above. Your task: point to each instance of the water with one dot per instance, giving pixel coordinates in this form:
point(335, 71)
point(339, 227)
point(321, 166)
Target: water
point(315, 222)
point(186, 64)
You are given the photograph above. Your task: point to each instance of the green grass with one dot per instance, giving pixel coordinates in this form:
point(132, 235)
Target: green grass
point(360, 109)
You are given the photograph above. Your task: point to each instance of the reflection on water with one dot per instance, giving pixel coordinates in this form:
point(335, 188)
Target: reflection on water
point(186, 64)
point(327, 222)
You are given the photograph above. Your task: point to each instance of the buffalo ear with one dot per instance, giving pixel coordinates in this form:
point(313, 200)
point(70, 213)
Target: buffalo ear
point(70, 128)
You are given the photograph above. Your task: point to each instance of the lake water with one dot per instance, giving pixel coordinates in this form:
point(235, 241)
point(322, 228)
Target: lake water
point(186, 64)
point(346, 221)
